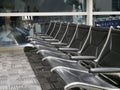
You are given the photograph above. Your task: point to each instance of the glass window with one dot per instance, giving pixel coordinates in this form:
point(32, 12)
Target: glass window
point(107, 21)
point(13, 30)
point(42, 5)
point(106, 5)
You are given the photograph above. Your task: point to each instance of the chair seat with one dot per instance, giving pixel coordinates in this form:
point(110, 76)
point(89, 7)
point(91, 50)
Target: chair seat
point(46, 53)
point(83, 79)
point(115, 77)
point(51, 40)
point(54, 62)
point(46, 37)
point(66, 49)
point(41, 47)
point(59, 44)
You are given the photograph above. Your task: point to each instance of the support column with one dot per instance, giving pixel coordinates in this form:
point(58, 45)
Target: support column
point(89, 8)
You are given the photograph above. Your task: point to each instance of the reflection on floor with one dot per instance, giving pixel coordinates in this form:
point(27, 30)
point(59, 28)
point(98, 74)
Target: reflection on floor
point(15, 71)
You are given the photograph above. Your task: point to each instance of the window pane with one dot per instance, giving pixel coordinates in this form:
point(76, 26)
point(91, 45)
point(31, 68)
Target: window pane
point(13, 30)
point(107, 21)
point(106, 5)
point(42, 5)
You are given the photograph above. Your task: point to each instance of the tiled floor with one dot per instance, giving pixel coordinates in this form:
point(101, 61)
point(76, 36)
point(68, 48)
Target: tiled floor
point(16, 72)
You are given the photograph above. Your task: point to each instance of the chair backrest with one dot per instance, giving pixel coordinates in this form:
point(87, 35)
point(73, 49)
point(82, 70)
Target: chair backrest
point(47, 25)
point(95, 42)
point(111, 58)
point(50, 28)
point(62, 31)
point(56, 29)
point(80, 37)
point(111, 54)
point(69, 34)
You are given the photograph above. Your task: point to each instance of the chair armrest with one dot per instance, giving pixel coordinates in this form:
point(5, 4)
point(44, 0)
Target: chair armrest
point(83, 57)
point(42, 41)
point(52, 40)
point(41, 34)
point(69, 49)
point(46, 37)
point(104, 70)
point(27, 37)
point(59, 44)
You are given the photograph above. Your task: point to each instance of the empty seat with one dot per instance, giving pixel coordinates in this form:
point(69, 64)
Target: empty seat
point(90, 51)
point(107, 69)
point(63, 29)
point(48, 32)
point(83, 80)
point(66, 40)
point(76, 43)
point(43, 42)
point(111, 58)
point(52, 34)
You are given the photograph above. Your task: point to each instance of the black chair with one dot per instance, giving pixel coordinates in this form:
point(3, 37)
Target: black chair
point(74, 45)
point(64, 35)
point(43, 42)
point(53, 32)
point(42, 39)
point(48, 32)
point(90, 51)
point(105, 74)
point(63, 29)
point(65, 41)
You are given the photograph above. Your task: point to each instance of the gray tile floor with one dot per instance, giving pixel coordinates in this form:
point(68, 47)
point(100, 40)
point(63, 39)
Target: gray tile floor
point(16, 72)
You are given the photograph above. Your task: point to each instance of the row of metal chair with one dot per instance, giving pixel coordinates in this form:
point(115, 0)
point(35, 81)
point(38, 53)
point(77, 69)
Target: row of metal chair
point(85, 57)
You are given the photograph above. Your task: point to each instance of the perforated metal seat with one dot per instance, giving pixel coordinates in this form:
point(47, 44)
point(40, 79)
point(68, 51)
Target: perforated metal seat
point(76, 43)
point(65, 41)
point(44, 44)
point(107, 69)
point(90, 52)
